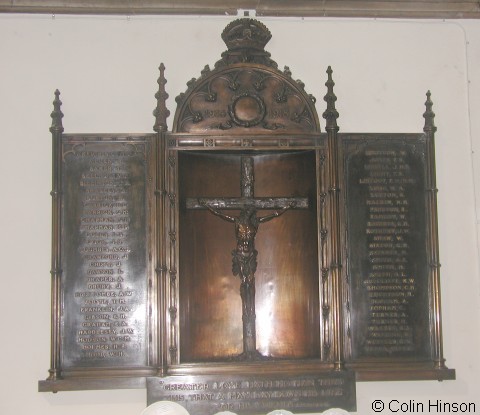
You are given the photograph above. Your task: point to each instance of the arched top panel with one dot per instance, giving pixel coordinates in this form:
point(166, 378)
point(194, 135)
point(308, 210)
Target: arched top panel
point(245, 93)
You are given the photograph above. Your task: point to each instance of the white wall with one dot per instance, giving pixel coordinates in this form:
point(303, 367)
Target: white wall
point(106, 69)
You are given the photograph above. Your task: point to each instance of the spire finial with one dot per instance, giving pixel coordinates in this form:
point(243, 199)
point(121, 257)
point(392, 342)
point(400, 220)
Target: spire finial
point(161, 112)
point(429, 115)
point(57, 114)
point(330, 114)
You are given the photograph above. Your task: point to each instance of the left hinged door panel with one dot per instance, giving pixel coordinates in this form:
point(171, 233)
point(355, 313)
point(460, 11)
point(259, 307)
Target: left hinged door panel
point(106, 245)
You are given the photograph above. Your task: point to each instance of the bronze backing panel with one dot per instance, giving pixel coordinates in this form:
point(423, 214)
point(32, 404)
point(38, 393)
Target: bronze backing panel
point(287, 304)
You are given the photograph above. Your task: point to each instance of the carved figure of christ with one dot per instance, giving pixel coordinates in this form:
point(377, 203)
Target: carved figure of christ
point(244, 256)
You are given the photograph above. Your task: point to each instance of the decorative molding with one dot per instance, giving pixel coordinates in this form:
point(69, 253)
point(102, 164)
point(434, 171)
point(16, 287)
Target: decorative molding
point(439, 9)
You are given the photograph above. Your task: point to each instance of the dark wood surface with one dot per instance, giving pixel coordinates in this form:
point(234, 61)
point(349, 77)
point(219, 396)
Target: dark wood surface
point(448, 9)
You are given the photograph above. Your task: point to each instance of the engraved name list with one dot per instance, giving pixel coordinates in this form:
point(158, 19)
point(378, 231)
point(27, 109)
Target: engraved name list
point(105, 296)
point(388, 278)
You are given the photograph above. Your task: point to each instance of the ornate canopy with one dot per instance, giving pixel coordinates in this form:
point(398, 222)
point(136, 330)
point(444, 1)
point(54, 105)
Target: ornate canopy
point(245, 93)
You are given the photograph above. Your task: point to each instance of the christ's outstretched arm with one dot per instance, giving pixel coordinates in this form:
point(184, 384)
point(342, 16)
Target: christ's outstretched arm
point(277, 213)
point(216, 212)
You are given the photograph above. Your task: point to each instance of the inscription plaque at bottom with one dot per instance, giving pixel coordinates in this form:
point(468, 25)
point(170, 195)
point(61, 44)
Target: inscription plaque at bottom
point(206, 395)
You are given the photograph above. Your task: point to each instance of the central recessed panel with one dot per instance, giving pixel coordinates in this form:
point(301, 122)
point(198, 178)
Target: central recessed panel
point(286, 278)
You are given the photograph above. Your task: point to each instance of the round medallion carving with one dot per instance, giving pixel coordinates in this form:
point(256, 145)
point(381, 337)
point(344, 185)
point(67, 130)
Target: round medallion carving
point(247, 110)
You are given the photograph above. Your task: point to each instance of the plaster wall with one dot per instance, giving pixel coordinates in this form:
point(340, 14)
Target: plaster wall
point(106, 70)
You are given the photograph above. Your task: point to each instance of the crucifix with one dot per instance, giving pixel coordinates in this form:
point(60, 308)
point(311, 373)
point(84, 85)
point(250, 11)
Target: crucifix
point(244, 256)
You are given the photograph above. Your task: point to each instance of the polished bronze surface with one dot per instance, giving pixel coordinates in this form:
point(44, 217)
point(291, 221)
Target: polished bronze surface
point(244, 256)
point(244, 248)
point(283, 315)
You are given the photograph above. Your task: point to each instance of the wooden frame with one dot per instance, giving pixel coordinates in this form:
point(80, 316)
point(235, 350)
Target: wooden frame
point(449, 9)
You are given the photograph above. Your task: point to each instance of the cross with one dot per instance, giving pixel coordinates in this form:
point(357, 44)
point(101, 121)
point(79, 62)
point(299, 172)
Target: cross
point(244, 256)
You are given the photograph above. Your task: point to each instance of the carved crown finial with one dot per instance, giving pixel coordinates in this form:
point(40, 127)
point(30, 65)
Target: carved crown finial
point(246, 33)
point(429, 115)
point(161, 112)
point(330, 114)
point(57, 114)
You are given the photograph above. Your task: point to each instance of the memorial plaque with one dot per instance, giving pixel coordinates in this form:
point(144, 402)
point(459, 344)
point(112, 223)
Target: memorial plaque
point(386, 228)
point(207, 395)
point(249, 259)
point(105, 241)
